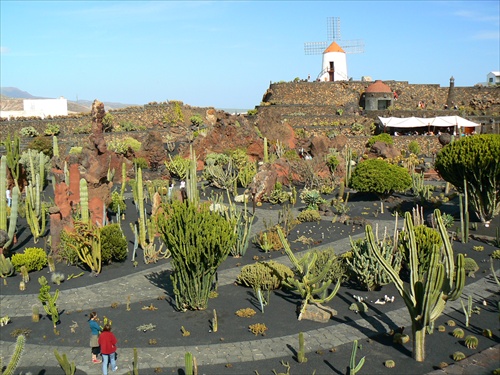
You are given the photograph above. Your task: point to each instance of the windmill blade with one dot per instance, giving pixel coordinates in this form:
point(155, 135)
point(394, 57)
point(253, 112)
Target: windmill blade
point(315, 48)
point(333, 28)
point(353, 46)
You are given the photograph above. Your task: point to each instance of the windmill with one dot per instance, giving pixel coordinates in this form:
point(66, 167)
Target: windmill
point(334, 66)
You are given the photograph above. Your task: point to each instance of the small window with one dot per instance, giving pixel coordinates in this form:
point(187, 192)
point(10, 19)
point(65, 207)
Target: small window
point(490, 80)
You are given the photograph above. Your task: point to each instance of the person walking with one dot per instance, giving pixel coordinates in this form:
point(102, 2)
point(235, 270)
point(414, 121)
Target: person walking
point(95, 329)
point(107, 341)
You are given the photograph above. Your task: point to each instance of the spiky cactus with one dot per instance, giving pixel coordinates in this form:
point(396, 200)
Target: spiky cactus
point(308, 284)
point(48, 300)
point(190, 363)
point(135, 364)
point(84, 200)
point(353, 367)
point(191, 179)
point(16, 356)
point(199, 240)
point(68, 367)
point(3, 190)
point(266, 151)
point(425, 299)
point(13, 148)
point(86, 241)
point(55, 146)
point(301, 353)
point(35, 210)
point(6, 268)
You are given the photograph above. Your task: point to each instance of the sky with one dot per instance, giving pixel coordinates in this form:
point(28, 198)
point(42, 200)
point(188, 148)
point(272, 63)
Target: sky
point(224, 54)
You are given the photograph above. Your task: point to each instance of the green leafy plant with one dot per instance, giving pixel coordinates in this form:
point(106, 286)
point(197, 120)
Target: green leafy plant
point(475, 161)
point(29, 131)
point(33, 258)
point(196, 120)
point(414, 147)
point(382, 137)
point(51, 129)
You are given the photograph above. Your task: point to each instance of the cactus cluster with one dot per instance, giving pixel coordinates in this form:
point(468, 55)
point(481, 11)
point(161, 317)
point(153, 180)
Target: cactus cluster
point(258, 329)
point(48, 300)
point(264, 275)
point(425, 297)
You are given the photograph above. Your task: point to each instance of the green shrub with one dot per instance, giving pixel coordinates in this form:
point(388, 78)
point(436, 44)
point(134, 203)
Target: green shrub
point(75, 150)
point(196, 120)
point(117, 202)
point(382, 137)
point(475, 160)
point(264, 275)
point(312, 198)
point(141, 163)
point(84, 129)
point(414, 147)
point(308, 216)
point(113, 244)
point(67, 253)
point(252, 112)
point(174, 115)
point(51, 129)
point(33, 258)
point(107, 122)
point(43, 144)
point(121, 146)
point(332, 161)
point(379, 177)
point(29, 131)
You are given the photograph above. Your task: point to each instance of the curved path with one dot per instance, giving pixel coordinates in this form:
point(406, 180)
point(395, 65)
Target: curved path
point(141, 289)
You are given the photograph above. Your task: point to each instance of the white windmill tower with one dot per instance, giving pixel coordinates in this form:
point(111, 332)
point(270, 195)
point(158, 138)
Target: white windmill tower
point(334, 65)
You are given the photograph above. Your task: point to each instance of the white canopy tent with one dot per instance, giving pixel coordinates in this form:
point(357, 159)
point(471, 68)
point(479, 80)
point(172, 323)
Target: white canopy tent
point(417, 122)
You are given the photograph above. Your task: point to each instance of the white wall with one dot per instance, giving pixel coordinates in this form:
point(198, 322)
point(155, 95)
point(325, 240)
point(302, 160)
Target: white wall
point(45, 107)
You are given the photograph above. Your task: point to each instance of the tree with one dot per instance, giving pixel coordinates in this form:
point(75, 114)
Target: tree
point(379, 177)
point(474, 161)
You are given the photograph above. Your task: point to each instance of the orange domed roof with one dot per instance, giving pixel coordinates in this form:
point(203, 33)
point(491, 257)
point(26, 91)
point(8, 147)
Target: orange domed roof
point(378, 86)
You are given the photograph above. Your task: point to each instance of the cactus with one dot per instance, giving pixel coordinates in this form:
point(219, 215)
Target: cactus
point(308, 284)
point(84, 200)
point(368, 271)
point(24, 273)
point(190, 363)
point(135, 363)
point(11, 227)
point(390, 363)
point(348, 167)
point(13, 148)
point(215, 322)
point(35, 314)
point(425, 299)
point(48, 300)
point(467, 310)
point(87, 244)
point(191, 179)
point(458, 356)
point(301, 353)
point(16, 356)
point(6, 268)
point(242, 228)
point(36, 213)
point(471, 342)
point(199, 240)
point(55, 146)
point(458, 333)
point(68, 368)
point(353, 367)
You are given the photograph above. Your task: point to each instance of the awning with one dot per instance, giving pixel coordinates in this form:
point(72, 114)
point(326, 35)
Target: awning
point(418, 122)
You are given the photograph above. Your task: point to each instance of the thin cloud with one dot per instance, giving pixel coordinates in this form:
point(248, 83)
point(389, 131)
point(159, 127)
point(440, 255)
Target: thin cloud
point(486, 35)
point(474, 16)
point(4, 50)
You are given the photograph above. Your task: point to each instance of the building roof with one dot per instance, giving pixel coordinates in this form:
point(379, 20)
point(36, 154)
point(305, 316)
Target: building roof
point(495, 73)
point(378, 86)
point(334, 47)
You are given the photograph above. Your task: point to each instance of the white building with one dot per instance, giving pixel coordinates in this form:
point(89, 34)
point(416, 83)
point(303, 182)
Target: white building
point(493, 78)
point(334, 64)
point(39, 108)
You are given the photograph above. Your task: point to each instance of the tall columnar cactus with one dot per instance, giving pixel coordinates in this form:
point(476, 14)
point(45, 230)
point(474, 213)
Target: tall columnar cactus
point(242, 228)
point(199, 240)
point(16, 356)
point(308, 284)
point(124, 180)
point(425, 299)
point(13, 216)
point(464, 214)
point(3, 189)
point(35, 210)
point(84, 200)
point(48, 300)
point(301, 353)
point(13, 148)
point(68, 367)
point(192, 180)
point(55, 146)
point(353, 367)
point(189, 363)
point(135, 363)
point(348, 166)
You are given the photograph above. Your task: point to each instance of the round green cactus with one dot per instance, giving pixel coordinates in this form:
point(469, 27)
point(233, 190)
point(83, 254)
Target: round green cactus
point(390, 363)
point(441, 328)
point(458, 356)
point(458, 333)
point(471, 342)
point(451, 323)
